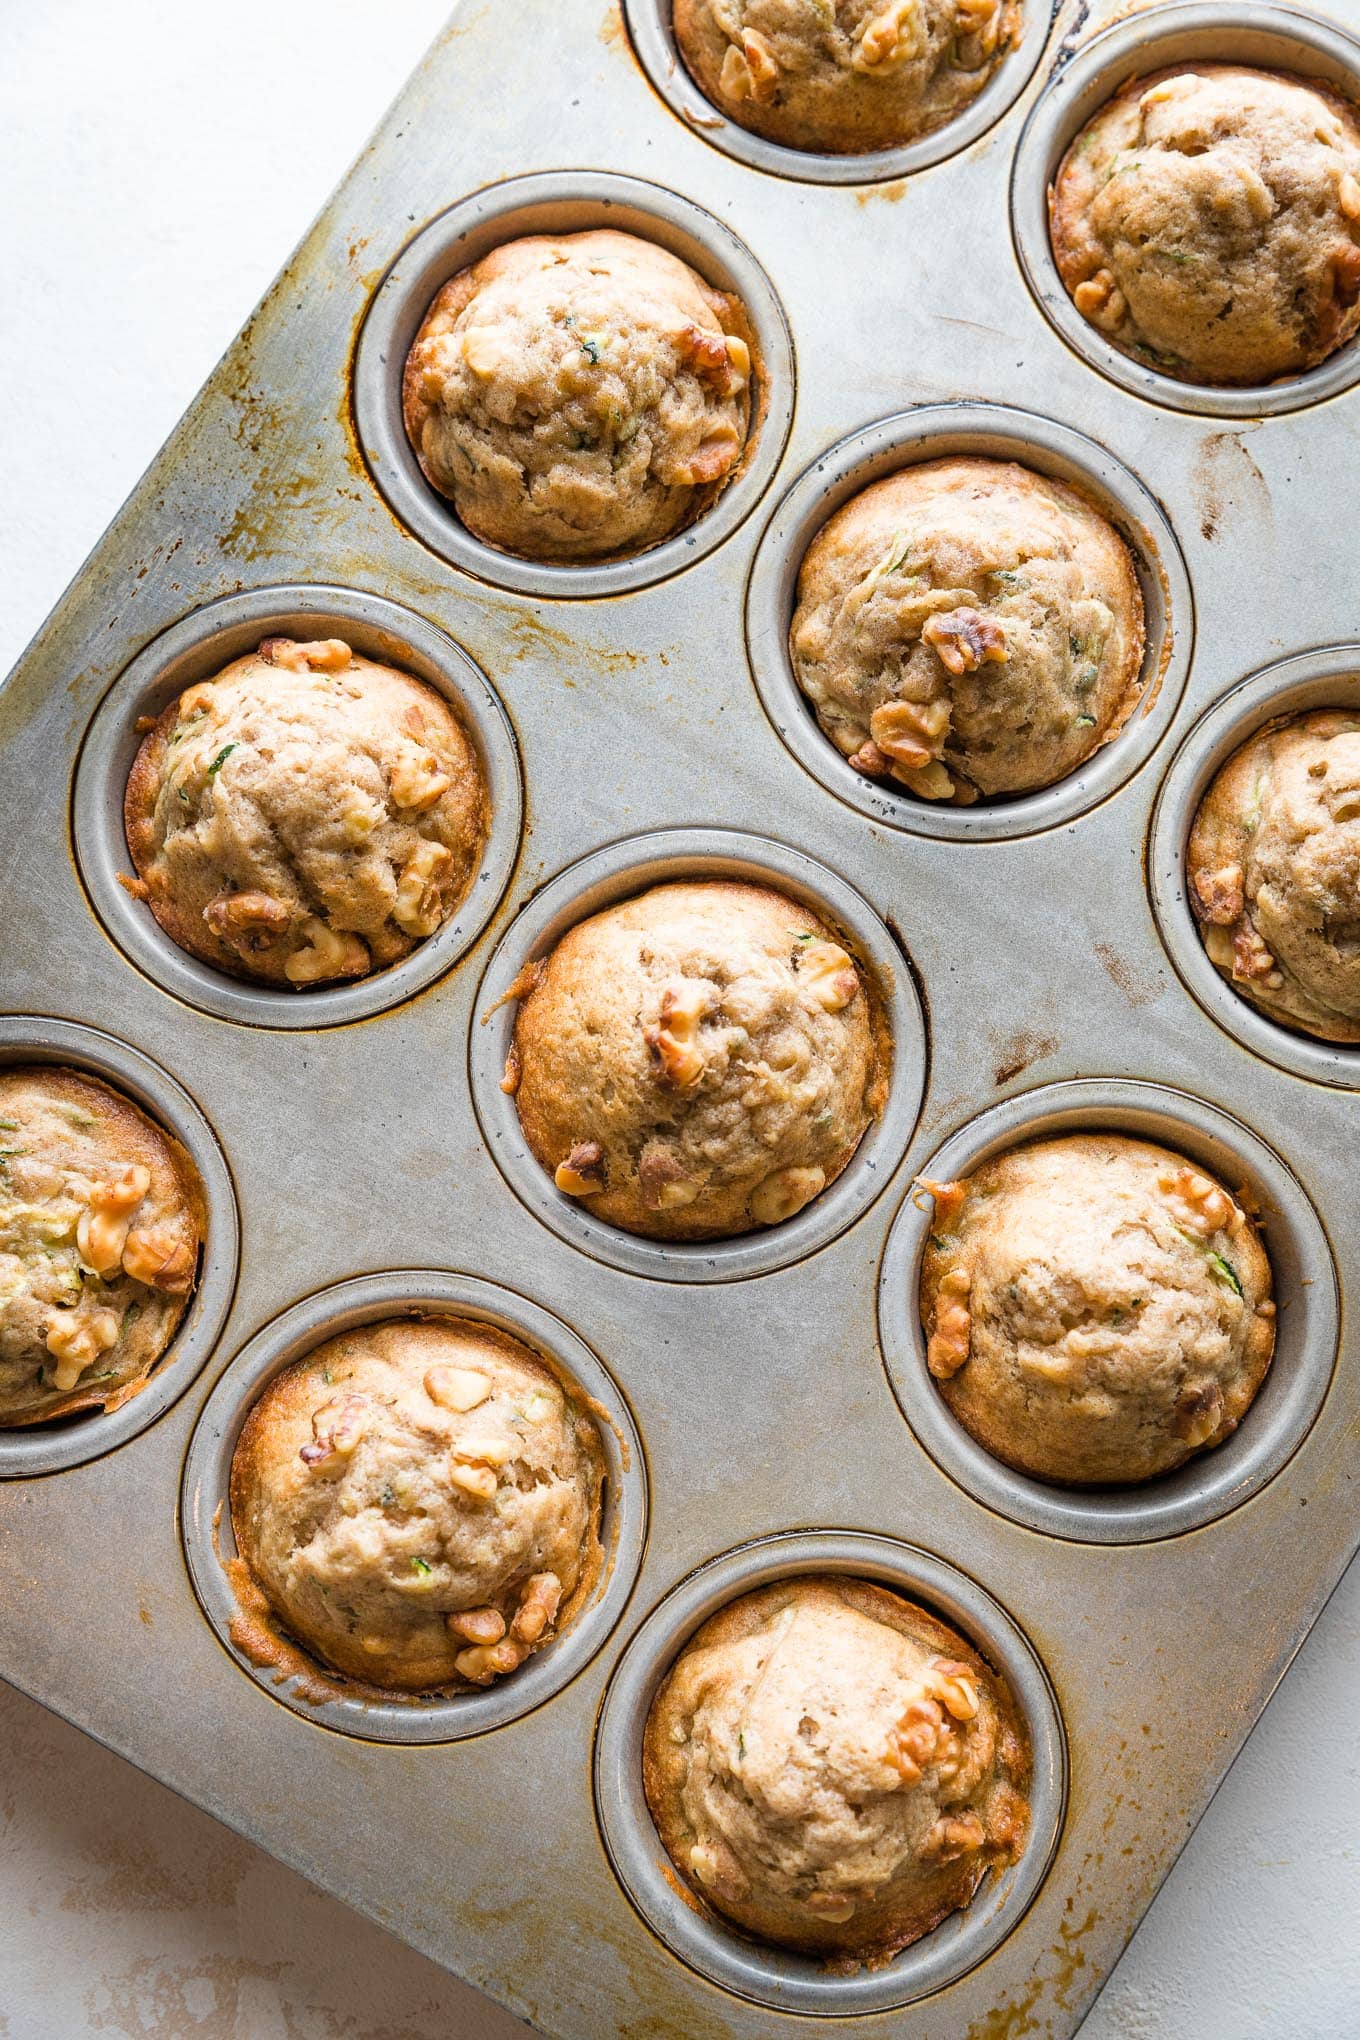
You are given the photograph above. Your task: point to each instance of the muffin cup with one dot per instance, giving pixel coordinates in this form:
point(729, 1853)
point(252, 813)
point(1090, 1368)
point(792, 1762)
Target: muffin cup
point(72, 1440)
point(619, 872)
point(719, 1951)
point(205, 1511)
point(564, 202)
point(1211, 1483)
point(1327, 678)
point(650, 25)
point(195, 648)
point(988, 432)
point(1205, 31)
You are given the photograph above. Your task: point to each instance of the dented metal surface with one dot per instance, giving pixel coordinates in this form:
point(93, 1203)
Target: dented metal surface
point(762, 1405)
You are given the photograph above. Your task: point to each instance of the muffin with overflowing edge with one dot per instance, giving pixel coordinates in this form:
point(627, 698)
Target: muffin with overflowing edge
point(1206, 222)
point(102, 1216)
point(417, 1503)
point(698, 1061)
point(1274, 869)
point(834, 1770)
point(842, 77)
point(305, 816)
point(968, 628)
point(1097, 1308)
point(581, 397)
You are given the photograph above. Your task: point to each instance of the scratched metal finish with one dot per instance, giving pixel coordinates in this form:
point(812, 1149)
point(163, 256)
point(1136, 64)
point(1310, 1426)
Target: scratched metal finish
point(763, 1405)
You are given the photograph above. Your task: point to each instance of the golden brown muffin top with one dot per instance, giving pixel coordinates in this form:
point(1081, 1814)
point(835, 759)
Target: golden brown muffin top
point(1098, 1308)
point(698, 1061)
point(968, 627)
point(579, 397)
point(101, 1218)
point(843, 76)
point(1206, 221)
point(306, 815)
point(834, 1769)
point(1274, 871)
point(419, 1503)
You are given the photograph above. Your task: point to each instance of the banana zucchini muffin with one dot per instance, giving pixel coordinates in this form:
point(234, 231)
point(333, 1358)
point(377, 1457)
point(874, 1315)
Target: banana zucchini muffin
point(305, 815)
point(101, 1219)
point(1097, 1308)
point(1274, 869)
point(834, 1770)
point(843, 76)
point(967, 629)
point(419, 1502)
point(1207, 221)
point(696, 1062)
point(579, 398)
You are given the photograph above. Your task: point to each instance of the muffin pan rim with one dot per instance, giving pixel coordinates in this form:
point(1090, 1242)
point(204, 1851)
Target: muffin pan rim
point(650, 30)
point(1001, 432)
point(68, 1442)
point(1210, 1484)
point(1211, 31)
point(721, 1953)
point(564, 201)
point(621, 870)
point(1306, 680)
point(195, 639)
point(205, 1514)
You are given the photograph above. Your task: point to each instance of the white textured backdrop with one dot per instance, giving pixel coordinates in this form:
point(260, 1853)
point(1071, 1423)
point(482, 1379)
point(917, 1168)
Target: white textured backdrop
point(158, 162)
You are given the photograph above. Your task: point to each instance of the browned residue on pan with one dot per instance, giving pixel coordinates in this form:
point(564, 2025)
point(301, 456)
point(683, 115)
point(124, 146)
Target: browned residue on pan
point(612, 32)
point(1121, 974)
point(889, 192)
point(1226, 483)
point(1018, 1051)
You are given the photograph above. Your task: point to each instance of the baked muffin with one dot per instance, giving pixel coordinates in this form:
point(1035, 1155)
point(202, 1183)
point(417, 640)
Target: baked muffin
point(1206, 222)
point(305, 815)
point(1274, 868)
point(833, 1769)
point(695, 1062)
point(968, 628)
point(419, 1502)
point(579, 397)
point(843, 76)
point(1098, 1308)
point(101, 1218)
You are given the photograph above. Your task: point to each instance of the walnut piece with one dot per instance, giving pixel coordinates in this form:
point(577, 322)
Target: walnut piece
point(952, 1325)
point(457, 1388)
point(248, 921)
point(1198, 1205)
point(674, 1041)
point(538, 1607)
point(1220, 894)
point(477, 1625)
point(102, 1231)
point(964, 640)
point(784, 1193)
point(76, 1338)
point(828, 975)
point(750, 71)
point(325, 655)
point(418, 779)
point(582, 1174)
point(326, 954)
point(337, 1429)
point(890, 38)
point(419, 906)
point(156, 1255)
point(663, 1181)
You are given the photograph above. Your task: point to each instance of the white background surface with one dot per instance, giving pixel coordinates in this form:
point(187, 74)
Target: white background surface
point(158, 162)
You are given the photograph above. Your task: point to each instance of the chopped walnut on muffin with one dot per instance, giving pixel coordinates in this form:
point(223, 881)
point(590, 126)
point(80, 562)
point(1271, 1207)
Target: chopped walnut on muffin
point(834, 1770)
point(1207, 222)
point(968, 628)
point(305, 815)
point(1097, 1308)
point(419, 1503)
point(843, 76)
point(579, 397)
point(698, 1061)
point(101, 1219)
point(1274, 871)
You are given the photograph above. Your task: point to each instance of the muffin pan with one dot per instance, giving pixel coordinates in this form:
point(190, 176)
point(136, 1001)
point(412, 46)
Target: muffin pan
point(1036, 959)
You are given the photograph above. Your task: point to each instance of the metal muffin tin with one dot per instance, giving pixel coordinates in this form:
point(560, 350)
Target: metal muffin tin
point(356, 1129)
